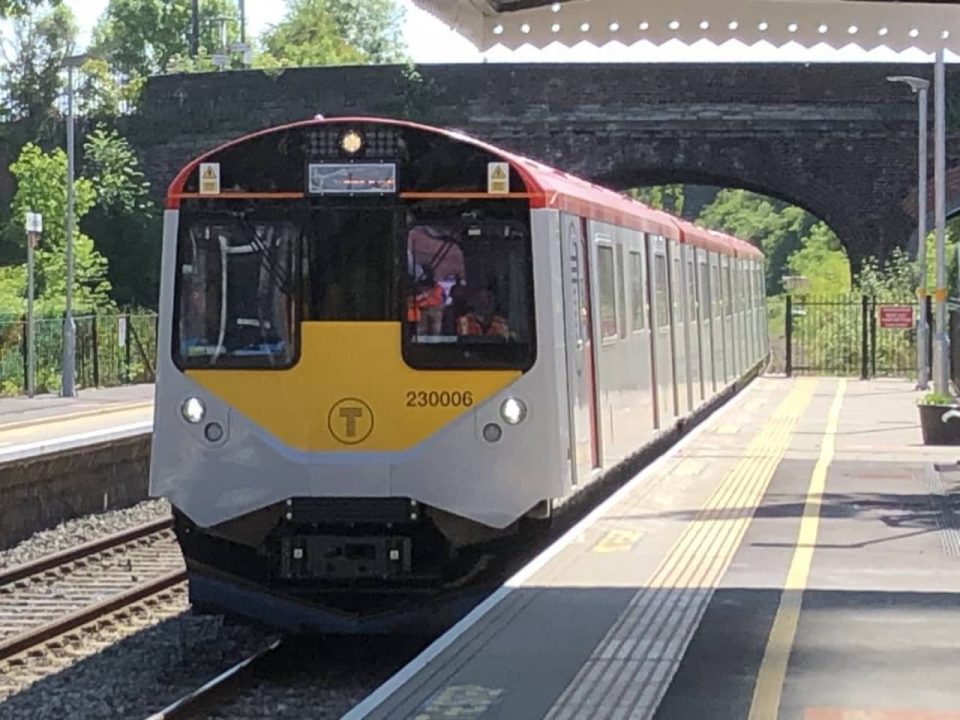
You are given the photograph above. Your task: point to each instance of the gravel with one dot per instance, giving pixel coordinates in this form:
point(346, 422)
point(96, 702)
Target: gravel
point(80, 530)
point(319, 678)
point(139, 675)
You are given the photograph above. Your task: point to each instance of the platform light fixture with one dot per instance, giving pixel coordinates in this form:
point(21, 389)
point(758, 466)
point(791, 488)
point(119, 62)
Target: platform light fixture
point(67, 371)
point(919, 86)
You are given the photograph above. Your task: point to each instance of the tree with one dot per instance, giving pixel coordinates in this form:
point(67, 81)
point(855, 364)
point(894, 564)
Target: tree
point(142, 37)
point(19, 8)
point(661, 197)
point(125, 220)
point(42, 187)
point(822, 261)
point(32, 62)
point(774, 226)
point(335, 32)
point(372, 27)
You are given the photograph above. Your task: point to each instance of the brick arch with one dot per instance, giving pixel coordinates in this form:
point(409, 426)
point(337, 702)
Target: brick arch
point(952, 204)
point(837, 139)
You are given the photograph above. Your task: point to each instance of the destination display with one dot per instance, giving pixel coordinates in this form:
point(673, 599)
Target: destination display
point(352, 178)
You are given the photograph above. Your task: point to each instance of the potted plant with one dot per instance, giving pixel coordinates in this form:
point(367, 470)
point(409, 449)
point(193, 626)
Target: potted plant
point(938, 425)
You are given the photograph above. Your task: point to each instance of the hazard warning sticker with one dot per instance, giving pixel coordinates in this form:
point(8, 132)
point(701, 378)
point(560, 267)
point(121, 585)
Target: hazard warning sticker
point(498, 178)
point(209, 178)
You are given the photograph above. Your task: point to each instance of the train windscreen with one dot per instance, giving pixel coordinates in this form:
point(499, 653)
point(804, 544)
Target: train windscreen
point(354, 222)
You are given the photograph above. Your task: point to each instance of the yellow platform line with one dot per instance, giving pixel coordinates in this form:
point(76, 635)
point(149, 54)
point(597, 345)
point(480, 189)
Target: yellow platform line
point(67, 417)
point(716, 532)
point(703, 552)
point(773, 668)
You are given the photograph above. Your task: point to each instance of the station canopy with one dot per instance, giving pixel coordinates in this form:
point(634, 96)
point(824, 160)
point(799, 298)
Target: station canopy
point(926, 26)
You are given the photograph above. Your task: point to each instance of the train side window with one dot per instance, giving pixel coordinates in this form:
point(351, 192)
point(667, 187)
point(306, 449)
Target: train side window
point(636, 291)
point(607, 288)
point(716, 290)
point(621, 294)
point(691, 291)
point(660, 288)
point(236, 291)
point(728, 292)
point(702, 289)
point(675, 295)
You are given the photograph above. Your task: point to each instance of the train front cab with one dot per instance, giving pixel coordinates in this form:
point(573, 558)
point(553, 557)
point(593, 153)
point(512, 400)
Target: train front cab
point(309, 430)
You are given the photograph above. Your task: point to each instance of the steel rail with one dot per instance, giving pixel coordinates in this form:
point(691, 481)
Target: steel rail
point(93, 547)
point(206, 693)
point(36, 636)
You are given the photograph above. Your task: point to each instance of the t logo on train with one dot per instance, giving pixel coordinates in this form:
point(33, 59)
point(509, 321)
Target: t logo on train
point(388, 352)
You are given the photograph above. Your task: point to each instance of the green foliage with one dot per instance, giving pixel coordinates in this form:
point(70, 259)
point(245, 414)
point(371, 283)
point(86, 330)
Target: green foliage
point(105, 95)
point(822, 261)
point(895, 277)
point(661, 197)
point(42, 187)
point(142, 37)
point(334, 32)
point(306, 36)
point(18, 8)
point(114, 170)
point(32, 61)
point(775, 227)
point(372, 27)
point(936, 398)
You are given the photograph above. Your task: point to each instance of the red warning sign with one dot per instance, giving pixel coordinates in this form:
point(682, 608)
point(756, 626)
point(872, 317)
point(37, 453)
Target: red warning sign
point(896, 317)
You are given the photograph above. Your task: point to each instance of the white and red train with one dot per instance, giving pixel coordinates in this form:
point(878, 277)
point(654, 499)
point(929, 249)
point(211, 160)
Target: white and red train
point(386, 348)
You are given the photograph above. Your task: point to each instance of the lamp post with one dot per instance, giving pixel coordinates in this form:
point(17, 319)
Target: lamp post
point(67, 388)
point(919, 86)
point(941, 361)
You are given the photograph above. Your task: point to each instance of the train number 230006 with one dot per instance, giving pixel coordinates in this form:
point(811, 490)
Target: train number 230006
point(439, 398)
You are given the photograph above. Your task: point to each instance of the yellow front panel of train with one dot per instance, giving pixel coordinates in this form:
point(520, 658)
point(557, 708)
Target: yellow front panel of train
point(352, 390)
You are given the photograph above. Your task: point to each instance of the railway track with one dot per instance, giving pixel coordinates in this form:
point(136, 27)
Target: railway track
point(67, 591)
point(220, 689)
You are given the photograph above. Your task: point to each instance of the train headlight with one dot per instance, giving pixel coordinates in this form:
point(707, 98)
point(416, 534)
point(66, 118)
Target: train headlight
point(193, 410)
point(513, 411)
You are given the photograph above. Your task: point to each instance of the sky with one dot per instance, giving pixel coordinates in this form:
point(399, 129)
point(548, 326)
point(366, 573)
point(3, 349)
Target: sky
point(430, 41)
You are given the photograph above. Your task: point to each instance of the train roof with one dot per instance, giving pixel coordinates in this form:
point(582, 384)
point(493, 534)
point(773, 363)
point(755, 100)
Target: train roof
point(547, 187)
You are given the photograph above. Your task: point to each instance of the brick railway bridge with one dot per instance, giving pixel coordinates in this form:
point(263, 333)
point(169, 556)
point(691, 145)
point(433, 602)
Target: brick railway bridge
point(835, 139)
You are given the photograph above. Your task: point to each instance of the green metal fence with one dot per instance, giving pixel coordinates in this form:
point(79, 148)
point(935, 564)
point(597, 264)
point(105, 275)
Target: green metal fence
point(114, 349)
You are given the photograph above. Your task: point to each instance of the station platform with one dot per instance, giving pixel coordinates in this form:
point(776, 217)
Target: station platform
point(796, 557)
point(48, 422)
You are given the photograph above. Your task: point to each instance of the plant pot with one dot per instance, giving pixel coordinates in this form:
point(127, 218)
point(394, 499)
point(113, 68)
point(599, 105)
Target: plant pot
point(934, 430)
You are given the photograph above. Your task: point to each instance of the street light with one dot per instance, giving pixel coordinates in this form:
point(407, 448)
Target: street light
point(67, 388)
point(919, 86)
point(941, 361)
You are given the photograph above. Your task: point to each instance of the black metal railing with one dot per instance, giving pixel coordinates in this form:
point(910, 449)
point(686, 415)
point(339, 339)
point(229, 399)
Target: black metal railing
point(863, 335)
point(114, 349)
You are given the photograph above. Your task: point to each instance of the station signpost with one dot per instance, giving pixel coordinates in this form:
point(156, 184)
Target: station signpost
point(34, 227)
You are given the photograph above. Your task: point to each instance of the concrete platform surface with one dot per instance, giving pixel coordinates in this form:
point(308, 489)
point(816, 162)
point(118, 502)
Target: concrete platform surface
point(40, 424)
point(797, 557)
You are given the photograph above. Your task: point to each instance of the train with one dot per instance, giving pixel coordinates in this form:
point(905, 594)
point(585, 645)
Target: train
point(388, 352)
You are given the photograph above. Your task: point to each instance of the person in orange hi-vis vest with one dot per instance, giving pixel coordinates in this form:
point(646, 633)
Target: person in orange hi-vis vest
point(430, 302)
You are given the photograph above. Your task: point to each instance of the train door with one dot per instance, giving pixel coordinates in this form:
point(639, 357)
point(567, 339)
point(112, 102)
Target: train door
point(719, 341)
point(678, 329)
point(581, 365)
point(693, 325)
point(729, 334)
point(751, 276)
point(741, 293)
point(706, 324)
point(659, 299)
